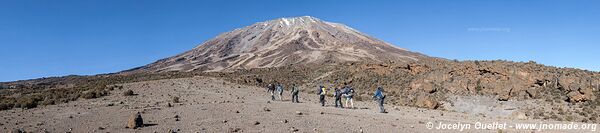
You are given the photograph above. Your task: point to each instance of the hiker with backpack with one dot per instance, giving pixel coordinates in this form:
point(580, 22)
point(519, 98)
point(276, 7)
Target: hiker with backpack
point(271, 89)
point(338, 98)
point(348, 93)
point(295, 91)
point(279, 89)
point(379, 97)
point(322, 92)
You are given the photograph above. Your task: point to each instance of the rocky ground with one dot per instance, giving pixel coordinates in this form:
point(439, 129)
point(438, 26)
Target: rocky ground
point(214, 105)
point(545, 92)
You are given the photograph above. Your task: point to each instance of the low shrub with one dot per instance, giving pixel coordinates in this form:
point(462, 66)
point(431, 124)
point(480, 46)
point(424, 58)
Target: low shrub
point(176, 100)
point(128, 93)
point(26, 103)
point(5, 106)
point(89, 95)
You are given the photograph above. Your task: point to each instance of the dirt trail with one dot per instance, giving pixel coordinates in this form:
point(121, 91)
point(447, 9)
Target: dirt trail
point(214, 105)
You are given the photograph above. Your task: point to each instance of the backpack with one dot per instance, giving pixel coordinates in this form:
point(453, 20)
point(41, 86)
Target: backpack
point(319, 90)
point(270, 88)
point(347, 90)
point(337, 93)
point(295, 89)
point(279, 88)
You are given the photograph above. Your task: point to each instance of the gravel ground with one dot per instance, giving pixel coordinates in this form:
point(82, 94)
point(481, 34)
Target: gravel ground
point(214, 105)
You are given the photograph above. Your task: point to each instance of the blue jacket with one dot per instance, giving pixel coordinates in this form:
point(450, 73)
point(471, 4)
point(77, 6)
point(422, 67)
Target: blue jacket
point(378, 94)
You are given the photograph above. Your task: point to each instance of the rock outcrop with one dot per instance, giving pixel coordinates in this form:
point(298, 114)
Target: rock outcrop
point(135, 121)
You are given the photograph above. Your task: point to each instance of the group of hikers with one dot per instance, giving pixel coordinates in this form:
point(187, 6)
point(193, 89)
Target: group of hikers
point(344, 91)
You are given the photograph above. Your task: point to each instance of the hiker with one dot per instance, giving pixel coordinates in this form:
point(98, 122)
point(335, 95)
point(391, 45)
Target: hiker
point(279, 89)
point(271, 89)
point(338, 98)
point(295, 92)
point(321, 92)
point(379, 97)
point(348, 93)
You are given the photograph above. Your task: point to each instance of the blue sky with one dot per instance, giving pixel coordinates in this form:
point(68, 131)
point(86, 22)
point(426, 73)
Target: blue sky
point(42, 38)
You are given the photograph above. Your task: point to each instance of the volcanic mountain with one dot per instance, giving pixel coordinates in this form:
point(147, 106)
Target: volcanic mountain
point(285, 41)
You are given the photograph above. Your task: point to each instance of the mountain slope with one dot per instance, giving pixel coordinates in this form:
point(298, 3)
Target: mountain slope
point(280, 42)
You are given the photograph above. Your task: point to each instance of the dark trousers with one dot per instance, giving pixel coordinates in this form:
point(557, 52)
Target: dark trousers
point(295, 98)
point(322, 100)
point(338, 102)
point(380, 101)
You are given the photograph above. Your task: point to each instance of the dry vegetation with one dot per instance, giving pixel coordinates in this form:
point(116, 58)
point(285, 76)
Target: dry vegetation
point(49, 91)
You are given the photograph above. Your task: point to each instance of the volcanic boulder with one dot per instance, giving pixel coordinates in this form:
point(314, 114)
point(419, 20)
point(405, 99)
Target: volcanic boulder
point(425, 101)
point(135, 121)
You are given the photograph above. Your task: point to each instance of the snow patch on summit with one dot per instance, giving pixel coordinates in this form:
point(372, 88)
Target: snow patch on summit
point(286, 21)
